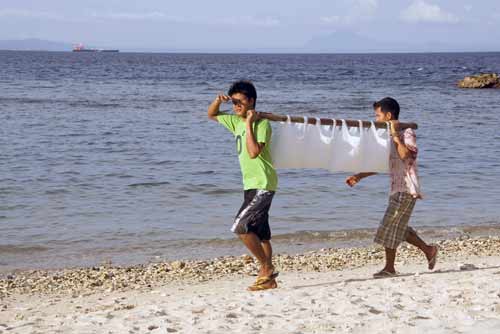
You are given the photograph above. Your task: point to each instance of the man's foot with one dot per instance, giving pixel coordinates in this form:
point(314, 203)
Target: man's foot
point(267, 272)
point(269, 284)
point(264, 279)
point(384, 274)
point(432, 257)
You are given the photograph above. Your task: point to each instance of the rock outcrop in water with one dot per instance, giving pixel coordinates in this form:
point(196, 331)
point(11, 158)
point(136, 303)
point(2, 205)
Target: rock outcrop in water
point(488, 80)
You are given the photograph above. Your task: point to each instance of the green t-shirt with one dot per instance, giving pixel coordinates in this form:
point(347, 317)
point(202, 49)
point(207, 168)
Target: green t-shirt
point(257, 173)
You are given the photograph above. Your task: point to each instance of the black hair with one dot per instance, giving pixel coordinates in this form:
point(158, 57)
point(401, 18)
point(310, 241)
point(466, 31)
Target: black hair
point(244, 87)
point(388, 104)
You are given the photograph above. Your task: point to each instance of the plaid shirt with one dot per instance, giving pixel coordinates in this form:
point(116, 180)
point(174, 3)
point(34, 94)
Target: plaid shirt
point(404, 173)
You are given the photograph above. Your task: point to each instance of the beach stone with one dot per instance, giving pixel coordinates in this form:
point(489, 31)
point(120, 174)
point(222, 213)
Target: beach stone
point(82, 282)
point(198, 310)
point(468, 266)
point(487, 80)
point(152, 327)
point(374, 310)
point(247, 259)
point(176, 265)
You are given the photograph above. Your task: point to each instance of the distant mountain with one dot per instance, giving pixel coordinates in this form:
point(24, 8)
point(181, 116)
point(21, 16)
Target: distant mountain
point(347, 41)
point(336, 42)
point(34, 44)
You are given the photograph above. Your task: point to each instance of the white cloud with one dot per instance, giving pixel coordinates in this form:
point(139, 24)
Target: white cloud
point(420, 11)
point(21, 13)
point(157, 16)
point(87, 16)
point(151, 16)
point(160, 16)
point(251, 21)
point(361, 11)
point(336, 20)
point(366, 7)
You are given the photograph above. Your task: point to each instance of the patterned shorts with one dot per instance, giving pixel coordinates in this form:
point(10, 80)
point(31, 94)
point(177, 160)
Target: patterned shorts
point(253, 215)
point(394, 229)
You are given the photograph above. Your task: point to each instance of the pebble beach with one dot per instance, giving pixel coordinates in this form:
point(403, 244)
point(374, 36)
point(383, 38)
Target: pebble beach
point(322, 291)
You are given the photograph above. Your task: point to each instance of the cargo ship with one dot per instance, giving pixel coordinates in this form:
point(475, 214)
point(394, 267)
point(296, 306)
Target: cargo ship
point(81, 48)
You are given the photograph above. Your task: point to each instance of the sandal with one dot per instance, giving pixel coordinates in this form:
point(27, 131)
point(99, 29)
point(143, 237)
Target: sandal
point(384, 274)
point(263, 286)
point(265, 279)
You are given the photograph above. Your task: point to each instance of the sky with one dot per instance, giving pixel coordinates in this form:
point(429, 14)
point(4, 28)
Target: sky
point(222, 25)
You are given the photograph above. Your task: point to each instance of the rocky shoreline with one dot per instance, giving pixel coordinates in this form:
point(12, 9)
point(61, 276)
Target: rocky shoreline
point(86, 281)
point(487, 80)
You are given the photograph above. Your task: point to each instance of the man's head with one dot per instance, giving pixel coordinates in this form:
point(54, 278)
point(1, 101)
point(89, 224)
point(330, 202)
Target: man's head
point(386, 109)
point(243, 95)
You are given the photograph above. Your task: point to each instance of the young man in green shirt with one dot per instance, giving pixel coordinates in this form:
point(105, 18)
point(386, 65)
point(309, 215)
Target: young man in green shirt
point(253, 138)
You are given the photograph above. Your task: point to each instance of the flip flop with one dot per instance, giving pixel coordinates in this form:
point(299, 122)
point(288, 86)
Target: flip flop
point(384, 274)
point(433, 260)
point(263, 286)
point(265, 279)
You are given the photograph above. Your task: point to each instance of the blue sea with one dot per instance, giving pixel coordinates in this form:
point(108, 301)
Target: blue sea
point(109, 157)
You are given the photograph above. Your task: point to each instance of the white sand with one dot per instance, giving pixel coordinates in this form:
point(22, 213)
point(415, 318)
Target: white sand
point(348, 301)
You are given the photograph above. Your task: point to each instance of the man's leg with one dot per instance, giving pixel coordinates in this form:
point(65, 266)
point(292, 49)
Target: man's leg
point(268, 249)
point(262, 251)
point(390, 257)
point(429, 251)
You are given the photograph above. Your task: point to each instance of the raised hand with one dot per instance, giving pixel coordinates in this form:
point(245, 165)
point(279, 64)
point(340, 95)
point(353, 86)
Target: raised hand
point(394, 126)
point(222, 98)
point(252, 115)
point(352, 180)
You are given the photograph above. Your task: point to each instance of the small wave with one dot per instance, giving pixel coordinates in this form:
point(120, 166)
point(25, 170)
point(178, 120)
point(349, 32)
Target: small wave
point(12, 207)
point(89, 104)
point(56, 191)
point(198, 188)
point(70, 172)
point(207, 172)
point(220, 191)
point(73, 103)
point(79, 134)
point(121, 175)
point(148, 184)
point(12, 249)
point(166, 162)
point(26, 100)
point(341, 235)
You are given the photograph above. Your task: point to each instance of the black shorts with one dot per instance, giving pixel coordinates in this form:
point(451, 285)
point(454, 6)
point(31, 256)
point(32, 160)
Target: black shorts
point(253, 215)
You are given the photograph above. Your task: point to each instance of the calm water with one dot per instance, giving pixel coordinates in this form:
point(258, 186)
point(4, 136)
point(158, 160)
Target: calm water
point(111, 156)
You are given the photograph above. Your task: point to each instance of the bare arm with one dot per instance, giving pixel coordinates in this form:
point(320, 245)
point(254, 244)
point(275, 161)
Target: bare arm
point(401, 148)
point(352, 180)
point(253, 147)
point(213, 108)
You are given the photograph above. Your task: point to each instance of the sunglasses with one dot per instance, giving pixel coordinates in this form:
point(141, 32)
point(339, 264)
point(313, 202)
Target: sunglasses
point(237, 102)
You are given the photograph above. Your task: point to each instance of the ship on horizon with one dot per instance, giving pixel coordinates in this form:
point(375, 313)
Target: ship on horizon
point(81, 48)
